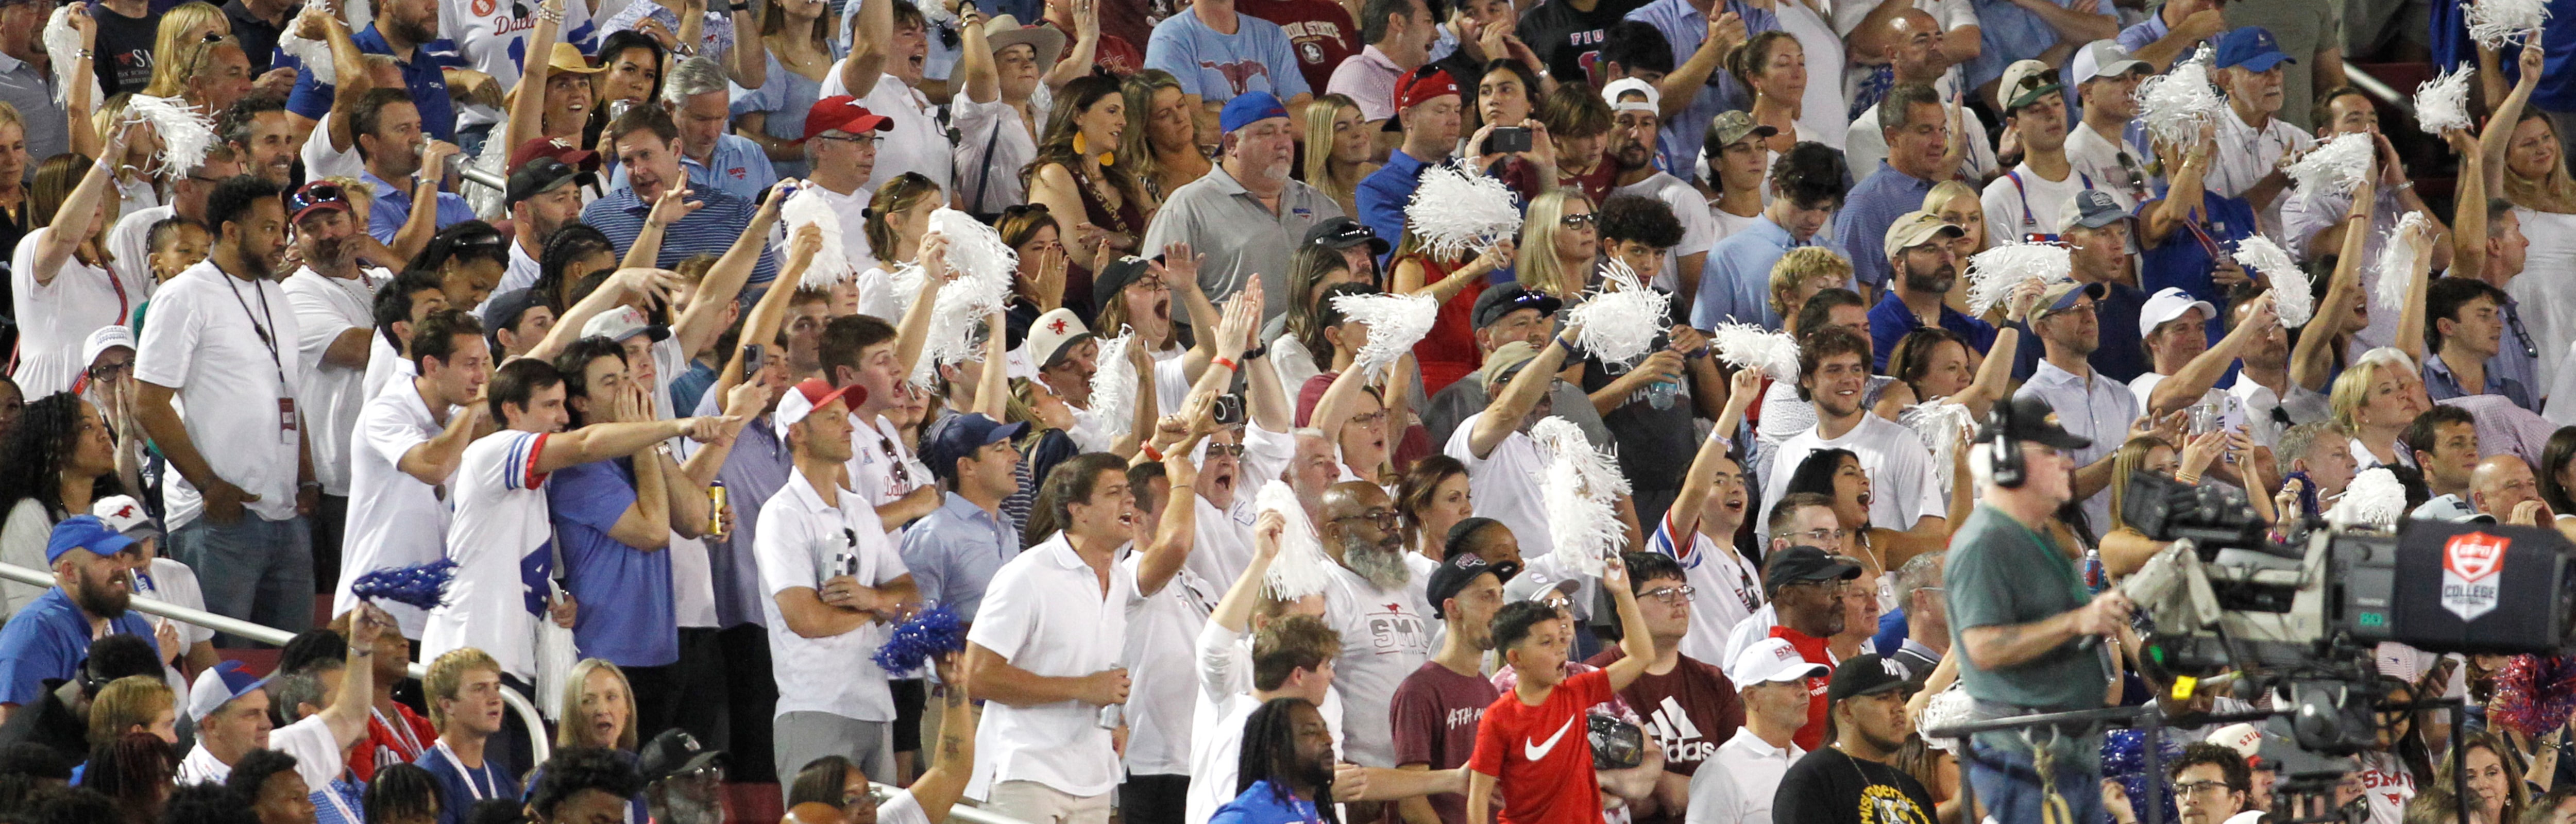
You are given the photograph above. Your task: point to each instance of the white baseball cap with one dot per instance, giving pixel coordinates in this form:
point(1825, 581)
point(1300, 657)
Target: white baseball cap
point(2167, 304)
point(1771, 660)
point(1052, 334)
point(126, 515)
point(621, 323)
point(104, 338)
point(1627, 85)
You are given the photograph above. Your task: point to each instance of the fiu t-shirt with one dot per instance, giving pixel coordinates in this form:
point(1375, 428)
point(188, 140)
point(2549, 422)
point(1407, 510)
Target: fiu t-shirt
point(1831, 787)
point(1435, 717)
point(1531, 750)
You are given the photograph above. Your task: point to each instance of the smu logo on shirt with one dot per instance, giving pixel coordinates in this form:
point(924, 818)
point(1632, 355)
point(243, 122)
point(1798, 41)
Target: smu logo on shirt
point(1392, 628)
point(738, 173)
point(1238, 74)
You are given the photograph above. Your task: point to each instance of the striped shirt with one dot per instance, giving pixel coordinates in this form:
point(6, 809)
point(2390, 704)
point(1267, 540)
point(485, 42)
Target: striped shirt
point(709, 230)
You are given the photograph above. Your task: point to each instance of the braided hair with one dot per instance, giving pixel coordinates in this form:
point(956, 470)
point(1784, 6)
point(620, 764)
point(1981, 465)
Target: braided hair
point(1270, 752)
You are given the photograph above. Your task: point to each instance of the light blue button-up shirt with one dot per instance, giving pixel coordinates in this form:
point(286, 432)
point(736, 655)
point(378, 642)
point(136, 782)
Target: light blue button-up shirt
point(393, 208)
point(738, 167)
point(1735, 283)
point(1869, 210)
point(2090, 406)
point(954, 551)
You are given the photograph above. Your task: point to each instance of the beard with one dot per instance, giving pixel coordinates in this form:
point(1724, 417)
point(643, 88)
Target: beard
point(329, 253)
point(1381, 566)
point(420, 30)
point(101, 598)
point(1936, 282)
point(687, 806)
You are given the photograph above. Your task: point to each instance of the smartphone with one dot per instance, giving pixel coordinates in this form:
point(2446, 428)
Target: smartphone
point(754, 356)
point(1507, 139)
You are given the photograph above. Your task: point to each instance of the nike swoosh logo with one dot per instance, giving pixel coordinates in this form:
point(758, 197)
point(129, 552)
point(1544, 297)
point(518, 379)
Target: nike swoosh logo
point(1534, 751)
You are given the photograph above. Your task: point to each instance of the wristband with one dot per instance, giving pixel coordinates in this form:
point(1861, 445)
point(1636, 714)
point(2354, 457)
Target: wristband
point(1151, 454)
point(1697, 354)
point(741, 6)
point(1566, 342)
point(1229, 365)
point(1250, 355)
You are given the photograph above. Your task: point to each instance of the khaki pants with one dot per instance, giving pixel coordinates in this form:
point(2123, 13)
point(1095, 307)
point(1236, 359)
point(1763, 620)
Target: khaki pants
point(1038, 803)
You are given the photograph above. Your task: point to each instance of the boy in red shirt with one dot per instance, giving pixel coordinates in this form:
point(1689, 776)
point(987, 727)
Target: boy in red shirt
point(1536, 736)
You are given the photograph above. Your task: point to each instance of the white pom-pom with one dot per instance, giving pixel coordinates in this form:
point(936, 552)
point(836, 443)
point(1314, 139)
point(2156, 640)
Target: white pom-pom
point(1458, 212)
point(2293, 294)
point(61, 42)
point(1942, 425)
point(1113, 385)
point(1994, 273)
point(2374, 499)
point(1302, 568)
point(2337, 166)
point(984, 266)
point(2176, 105)
point(1746, 346)
point(2395, 267)
point(186, 133)
point(831, 265)
point(1948, 708)
point(1618, 323)
point(2494, 23)
point(1580, 486)
point(1395, 324)
point(2442, 103)
point(315, 55)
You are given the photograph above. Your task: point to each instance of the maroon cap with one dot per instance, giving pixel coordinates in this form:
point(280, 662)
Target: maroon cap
point(317, 196)
point(1422, 86)
point(842, 112)
point(558, 148)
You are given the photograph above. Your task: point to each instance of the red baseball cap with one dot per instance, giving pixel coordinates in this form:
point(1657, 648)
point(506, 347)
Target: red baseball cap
point(1418, 88)
point(570, 153)
point(842, 112)
point(810, 394)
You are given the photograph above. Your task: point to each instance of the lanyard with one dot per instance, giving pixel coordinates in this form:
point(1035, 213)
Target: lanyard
point(402, 734)
point(256, 324)
point(331, 792)
point(479, 790)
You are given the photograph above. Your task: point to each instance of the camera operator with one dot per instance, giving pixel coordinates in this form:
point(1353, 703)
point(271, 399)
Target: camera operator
point(2024, 620)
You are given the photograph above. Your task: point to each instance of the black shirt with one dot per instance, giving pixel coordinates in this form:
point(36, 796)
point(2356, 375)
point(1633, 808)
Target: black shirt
point(1829, 786)
point(1564, 37)
point(258, 38)
point(124, 60)
point(51, 724)
point(1655, 445)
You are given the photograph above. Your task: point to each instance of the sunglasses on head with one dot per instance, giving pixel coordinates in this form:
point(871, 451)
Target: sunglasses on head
point(313, 194)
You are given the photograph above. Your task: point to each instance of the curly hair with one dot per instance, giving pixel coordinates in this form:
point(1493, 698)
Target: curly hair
point(33, 459)
point(252, 772)
point(574, 771)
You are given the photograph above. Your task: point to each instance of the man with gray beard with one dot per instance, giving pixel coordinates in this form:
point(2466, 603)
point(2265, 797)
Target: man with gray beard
point(684, 782)
point(1372, 603)
point(1246, 215)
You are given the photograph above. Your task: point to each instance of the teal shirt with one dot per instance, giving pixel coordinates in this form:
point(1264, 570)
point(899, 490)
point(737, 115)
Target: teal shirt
point(2000, 573)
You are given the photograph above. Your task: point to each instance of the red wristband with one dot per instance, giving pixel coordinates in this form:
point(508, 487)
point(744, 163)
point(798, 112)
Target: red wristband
point(1229, 365)
point(1152, 454)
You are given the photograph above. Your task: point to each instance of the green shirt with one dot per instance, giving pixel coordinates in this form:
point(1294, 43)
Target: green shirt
point(2000, 573)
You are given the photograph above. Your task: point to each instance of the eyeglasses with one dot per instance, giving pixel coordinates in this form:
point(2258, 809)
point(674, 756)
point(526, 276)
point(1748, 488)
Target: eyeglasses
point(110, 371)
point(1225, 450)
point(1370, 419)
point(1671, 595)
point(1575, 221)
point(2197, 787)
point(1385, 518)
point(870, 138)
point(1819, 534)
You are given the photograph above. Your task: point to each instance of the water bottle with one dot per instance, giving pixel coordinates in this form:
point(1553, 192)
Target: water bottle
point(1660, 394)
point(2093, 571)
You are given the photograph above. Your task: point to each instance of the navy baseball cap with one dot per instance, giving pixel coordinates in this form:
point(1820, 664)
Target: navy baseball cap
point(2251, 47)
point(1339, 233)
point(960, 435)
point(1497, 301)
point(1249, 108)
point(84, 532)
point(1461, 569)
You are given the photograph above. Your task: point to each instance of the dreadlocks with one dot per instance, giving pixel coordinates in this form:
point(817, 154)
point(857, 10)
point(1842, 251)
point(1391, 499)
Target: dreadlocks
point(1270, 753)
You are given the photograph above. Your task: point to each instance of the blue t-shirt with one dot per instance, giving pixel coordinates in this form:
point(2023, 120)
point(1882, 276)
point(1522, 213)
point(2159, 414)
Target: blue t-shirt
point(1216, 67)
point(459, 788)
point(2186, 258)
point(1890, 321)
point(48, 638)
point(1260, 804)
point(428, 84)
point(626, 614)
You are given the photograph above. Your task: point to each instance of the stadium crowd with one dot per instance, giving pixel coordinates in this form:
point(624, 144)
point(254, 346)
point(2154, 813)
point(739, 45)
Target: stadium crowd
point(647, 327)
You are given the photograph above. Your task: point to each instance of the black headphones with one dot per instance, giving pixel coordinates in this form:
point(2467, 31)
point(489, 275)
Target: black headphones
point(2005, 462)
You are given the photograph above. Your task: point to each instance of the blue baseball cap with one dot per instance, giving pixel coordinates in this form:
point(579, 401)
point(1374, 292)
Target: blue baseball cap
point(84, 532)
point(2251, 47)
point(218, 686)
point(1249, 108)
point(960, 435)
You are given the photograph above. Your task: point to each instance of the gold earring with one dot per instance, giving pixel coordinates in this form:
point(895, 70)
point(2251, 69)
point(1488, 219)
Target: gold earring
point(1080, 145)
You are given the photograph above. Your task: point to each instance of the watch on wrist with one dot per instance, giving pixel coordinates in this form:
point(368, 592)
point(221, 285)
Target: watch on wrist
point(741, 6)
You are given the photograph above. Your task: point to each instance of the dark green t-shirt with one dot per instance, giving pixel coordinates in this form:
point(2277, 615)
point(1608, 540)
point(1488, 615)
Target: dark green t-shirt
point(1999, 573)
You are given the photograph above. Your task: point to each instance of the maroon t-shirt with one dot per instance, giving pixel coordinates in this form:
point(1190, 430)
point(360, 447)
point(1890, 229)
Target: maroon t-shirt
point(1320, 31)
point(1434, 716)
point(1689, 711)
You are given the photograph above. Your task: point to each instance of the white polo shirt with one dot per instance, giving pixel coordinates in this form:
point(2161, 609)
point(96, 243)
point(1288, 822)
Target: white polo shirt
point(205, 340)
point(1045, 612)
point(326, 307)
point(802, 542)
point(1224, 546)
point(1161, 631)
point(502, 542)
point(394, 519)
point(1756, 768)
point(385, 364)
point(1504, 485)
point(317, 755)
point(914, 143)
point(1385, 637)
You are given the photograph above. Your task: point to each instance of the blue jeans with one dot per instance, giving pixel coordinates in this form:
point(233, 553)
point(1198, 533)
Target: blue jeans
point(253, 569)
point(2009, 788)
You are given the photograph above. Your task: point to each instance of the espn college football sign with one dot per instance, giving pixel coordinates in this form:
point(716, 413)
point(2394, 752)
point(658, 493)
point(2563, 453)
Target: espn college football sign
point(2469, 565)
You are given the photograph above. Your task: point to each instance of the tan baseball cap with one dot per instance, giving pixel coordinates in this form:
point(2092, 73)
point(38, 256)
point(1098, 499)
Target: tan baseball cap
point(1917, 228)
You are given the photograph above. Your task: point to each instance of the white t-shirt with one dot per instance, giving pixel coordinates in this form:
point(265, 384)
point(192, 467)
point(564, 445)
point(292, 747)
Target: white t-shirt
point(1046, 612)
point(1699, 230)
point(881, 468)
point(321, 160)
point(1161, 630)
point(1726, 223)
point(1728, 589)
point(502, 542)
point(1385, 637)
point(317, 755)
point(492, 39)
point(801, 543)
point(129, 243)
point(901, 808)
point(325, 308)
point(876, 289)
point(1504, 485)
point(852, 210)
point(173, 583)
point(2031, 207)
point(1903, 487)
point(916, 142)
point(394, 519)
point(384, 364)
point(2304, 405)
point(202, 342)
point(2098, 157)
point(55, 319)
point(522, 274)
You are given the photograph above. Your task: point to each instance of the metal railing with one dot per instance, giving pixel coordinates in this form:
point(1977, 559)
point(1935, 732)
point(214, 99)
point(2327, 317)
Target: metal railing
point(539, 745)
point(2377, 88)
point(483, 178)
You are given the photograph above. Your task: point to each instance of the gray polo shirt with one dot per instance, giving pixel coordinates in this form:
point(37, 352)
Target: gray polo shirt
point(31, 91)
point(1240, 237)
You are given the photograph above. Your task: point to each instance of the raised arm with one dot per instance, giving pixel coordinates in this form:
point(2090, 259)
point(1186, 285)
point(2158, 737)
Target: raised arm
point(2312, 361)
point(1079, 57)
point(1503, 416)
point(2499, 131)
point(528, 98)
point(349, 66)
point(993, 381)
point(952, 762)
point(2469, 209)
point(602, 441)
point(2198, 376)
point(697, 326)
point(1234, 611)
point(749, 59)
point(636, 282)
point(434, 461)
point(1178, 529)
point(866, 63)
point(2183, 197)
point(2410, 320)
point(1677, 90)
point(350, 710)
point(913, 332)
point(1637, 648)
point(1697, 484)
point(975, 60)
point(761, 325)
point(78, 218)
point(85, 138)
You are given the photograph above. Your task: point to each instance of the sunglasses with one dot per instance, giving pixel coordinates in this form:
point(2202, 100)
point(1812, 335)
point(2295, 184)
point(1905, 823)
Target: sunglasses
point(315, 194)
point(1576, 221)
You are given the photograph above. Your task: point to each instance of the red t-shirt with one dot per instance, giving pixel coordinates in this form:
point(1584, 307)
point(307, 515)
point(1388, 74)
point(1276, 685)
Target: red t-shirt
point(387, 745)
point(1320, 31)
point(1541, 757)
point(1435, 717)
point(1811, 736)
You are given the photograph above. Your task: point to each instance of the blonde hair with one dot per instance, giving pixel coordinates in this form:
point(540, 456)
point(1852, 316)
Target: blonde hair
point(2554, 192)
point(1539, 268)
point(176, 58)
point(2351, 390)
point(2128, 461)
point(568, 734)
point(1799, 266)
point(447, 673)
point(134, 700)
point(362, 197)
point(1318, 171)
point(1135, 149)
point(1950, 191)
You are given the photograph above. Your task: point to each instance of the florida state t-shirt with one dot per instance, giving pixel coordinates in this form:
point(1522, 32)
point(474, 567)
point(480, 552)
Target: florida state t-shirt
point(1531, 750)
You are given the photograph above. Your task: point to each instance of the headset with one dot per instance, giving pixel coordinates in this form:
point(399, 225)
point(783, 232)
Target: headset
point(2005, 459)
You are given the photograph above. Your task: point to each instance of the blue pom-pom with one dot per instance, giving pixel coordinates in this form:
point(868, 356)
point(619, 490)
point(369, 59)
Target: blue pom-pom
point(421, 586)
point(932, 632)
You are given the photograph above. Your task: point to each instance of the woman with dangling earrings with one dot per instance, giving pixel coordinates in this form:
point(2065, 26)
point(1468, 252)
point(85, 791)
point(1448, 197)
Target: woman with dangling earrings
point(1077, 172)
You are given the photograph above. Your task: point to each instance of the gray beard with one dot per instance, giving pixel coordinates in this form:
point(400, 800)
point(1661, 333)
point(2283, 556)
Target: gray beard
point(680, 807)
point(1381, 567)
